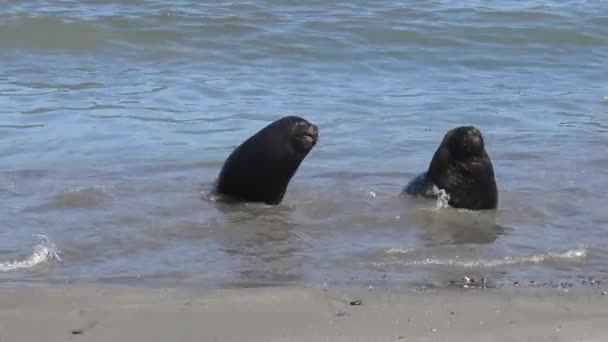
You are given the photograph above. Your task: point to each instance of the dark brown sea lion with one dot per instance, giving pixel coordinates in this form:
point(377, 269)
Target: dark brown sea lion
point(461, 166)
point(259, 170)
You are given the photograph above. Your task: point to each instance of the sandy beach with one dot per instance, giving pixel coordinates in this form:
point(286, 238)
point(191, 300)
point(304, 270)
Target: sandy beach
point(87, 313)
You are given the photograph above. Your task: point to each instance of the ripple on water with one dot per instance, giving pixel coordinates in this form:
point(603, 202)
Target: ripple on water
point(79, 198)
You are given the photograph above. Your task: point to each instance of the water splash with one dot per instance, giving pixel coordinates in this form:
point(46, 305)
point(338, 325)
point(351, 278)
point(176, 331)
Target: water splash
point(44, 251)
point(443, 198)
point(573, 255)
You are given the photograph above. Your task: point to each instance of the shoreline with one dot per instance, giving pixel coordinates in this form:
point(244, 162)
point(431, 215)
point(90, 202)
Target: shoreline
point(123, 313)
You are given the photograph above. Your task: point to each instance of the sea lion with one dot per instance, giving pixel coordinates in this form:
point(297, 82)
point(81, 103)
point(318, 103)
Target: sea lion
point(461, 166)
point(259, 170)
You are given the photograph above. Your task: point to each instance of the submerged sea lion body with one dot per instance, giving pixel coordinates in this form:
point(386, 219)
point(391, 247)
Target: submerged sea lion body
point(461, 167)
point(259, 170)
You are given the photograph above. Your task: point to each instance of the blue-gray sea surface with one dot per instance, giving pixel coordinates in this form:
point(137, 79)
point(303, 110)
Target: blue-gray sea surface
point(116, 117)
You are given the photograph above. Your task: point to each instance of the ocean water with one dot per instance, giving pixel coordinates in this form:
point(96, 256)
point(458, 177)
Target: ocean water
point(116, 117)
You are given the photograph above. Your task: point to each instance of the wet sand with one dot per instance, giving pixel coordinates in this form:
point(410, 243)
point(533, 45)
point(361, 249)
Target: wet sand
point(87, 313)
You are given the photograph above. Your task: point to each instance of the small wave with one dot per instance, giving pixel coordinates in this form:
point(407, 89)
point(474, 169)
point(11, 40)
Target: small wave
point(44, 251)
point(398, 251)
point(573, 255)
point(23, 126)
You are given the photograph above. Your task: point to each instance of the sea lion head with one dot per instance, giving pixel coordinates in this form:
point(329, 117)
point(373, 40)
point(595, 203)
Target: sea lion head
point(303, 135)
point(464, 142)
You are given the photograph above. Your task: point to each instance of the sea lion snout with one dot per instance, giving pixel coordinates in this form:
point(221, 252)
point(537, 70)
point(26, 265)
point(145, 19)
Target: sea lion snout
point(313, 131)
point(473, 131)
point(307, 133)
point(473, 140)
point(475, 137)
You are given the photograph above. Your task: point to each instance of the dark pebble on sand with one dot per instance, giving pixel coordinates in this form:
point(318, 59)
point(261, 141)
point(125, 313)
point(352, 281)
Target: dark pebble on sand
point(77, 332)
point(356, 302)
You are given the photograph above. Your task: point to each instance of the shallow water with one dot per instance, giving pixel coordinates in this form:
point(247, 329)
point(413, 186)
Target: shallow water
point(116, 118)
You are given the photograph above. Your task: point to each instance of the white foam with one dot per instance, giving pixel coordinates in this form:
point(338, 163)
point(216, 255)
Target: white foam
point(443, 198)
point(399, 251)
point(573, 255)
point(44, 251)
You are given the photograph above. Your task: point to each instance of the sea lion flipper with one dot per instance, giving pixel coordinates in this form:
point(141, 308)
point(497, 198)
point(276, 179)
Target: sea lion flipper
point(421, 185)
